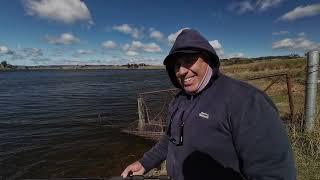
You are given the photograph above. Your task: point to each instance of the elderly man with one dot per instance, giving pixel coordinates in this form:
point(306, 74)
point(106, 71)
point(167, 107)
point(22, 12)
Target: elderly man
point(218, 127)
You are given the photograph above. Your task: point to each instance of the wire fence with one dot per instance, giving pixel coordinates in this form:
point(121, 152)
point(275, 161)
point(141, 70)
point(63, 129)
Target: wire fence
point(286, 91)
point(152, 109)
point(286, 87)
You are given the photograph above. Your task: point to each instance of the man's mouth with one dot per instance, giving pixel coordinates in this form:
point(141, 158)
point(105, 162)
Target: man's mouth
point(188, 80)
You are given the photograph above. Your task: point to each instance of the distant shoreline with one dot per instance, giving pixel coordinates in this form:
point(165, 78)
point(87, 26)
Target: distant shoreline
point(141, 66)
point(82, 67)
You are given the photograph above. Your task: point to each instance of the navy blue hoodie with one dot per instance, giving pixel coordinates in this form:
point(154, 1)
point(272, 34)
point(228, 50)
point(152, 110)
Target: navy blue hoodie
point(231, 130)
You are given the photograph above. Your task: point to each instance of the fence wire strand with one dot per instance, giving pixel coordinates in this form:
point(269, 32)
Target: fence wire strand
point(155, 103)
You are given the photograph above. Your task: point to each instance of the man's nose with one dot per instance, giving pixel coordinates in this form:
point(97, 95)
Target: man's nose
point(183, 70)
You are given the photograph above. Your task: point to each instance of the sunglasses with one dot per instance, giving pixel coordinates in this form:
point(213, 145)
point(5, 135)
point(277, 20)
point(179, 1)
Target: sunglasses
point(179, 141)
point(186, 60)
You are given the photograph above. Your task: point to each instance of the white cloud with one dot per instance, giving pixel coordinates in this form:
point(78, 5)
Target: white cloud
point(126, 47)
point(280, 33)
point(5, 50)
point(32, 52)
point(157, 35)
point(302, 34)
point(127, 29)
point(109, 44)
point(84, 51)
point(139, 46)
point(172, 37)
point(299, 43)
point(65, 38)
point(301, 12)
point(220, 51)
point(124, 28)
point(33, 56)
point(135, 45)
point(132, 53)
point(67, 11)
point(284, 44)
point(214, 43)
point(248, 6)
point(40, 60)
point(151, 47)
point(265, 4)
point(217, 47)
point(241, 7)
point(236, 55)
point(81, 52)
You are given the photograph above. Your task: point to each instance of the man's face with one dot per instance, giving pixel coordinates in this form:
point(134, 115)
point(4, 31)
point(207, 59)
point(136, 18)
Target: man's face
point(190, 70)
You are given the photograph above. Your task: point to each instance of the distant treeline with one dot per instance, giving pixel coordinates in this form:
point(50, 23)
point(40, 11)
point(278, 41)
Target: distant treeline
point(133, 66)
point(251, 60)
point(5, 65)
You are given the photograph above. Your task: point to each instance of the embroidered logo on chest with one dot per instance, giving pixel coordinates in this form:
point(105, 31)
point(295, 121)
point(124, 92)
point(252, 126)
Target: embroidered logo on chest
point(204, 115)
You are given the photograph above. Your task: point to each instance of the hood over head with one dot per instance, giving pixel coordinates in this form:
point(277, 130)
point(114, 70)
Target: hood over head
point(190, 41)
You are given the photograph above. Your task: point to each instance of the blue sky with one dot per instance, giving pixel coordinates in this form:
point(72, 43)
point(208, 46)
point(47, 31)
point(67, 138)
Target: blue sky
point(56, 32)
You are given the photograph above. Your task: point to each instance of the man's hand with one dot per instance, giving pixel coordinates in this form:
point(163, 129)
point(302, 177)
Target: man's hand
point(135, 168)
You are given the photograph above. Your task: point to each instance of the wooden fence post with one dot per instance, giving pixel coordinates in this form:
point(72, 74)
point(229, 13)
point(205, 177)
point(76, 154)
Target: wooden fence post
point(141, 121)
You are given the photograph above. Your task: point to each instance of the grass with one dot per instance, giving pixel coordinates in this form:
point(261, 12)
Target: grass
point(306, 146)
point(264, 67)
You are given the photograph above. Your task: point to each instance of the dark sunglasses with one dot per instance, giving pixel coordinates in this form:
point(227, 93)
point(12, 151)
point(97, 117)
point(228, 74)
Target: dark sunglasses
point(179, 141)
point(186, 60)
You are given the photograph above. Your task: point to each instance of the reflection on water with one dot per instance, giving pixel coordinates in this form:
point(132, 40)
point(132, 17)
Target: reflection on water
point(47, 121)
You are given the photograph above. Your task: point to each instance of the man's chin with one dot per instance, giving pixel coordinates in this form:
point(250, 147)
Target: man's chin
point(189, 90)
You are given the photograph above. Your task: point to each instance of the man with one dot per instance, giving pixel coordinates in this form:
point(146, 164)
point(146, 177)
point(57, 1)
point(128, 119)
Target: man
point(219, 127)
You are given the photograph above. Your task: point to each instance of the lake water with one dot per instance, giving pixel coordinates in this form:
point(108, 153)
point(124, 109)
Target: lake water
point(48, 121)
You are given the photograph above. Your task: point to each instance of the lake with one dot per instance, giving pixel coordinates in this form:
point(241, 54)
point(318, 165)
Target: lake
point(48, 121)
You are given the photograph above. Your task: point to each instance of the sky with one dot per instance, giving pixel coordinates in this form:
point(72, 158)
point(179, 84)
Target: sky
point(117, 32)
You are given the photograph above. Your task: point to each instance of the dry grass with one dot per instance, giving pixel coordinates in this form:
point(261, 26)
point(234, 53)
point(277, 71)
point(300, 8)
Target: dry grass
point(306, 146)
point(265, 65)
